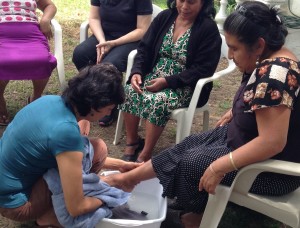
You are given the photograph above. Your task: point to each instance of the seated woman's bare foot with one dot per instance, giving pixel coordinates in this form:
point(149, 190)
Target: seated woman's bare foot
point(84, 126)
point(191, 220)
point(119, 181)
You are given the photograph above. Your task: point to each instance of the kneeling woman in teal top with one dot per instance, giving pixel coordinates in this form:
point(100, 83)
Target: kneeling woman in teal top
point(45, 135)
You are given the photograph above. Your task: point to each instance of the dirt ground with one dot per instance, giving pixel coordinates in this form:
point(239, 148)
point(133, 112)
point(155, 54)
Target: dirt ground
point(220, 100)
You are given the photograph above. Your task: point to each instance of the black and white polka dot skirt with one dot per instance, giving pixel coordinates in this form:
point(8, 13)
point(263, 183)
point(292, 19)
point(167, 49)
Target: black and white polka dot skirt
point(180, 168)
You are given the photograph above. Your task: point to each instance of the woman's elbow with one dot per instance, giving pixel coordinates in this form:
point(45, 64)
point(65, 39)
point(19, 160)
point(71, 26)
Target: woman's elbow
point(75, 208)
point(74, 211)
point(278, 145)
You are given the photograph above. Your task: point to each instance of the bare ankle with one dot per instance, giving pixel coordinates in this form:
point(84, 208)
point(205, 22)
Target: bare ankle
point(191, 220)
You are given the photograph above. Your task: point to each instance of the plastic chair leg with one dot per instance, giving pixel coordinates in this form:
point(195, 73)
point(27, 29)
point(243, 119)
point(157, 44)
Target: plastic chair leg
point(215, 207)
point(119, 128)
point(205, 120)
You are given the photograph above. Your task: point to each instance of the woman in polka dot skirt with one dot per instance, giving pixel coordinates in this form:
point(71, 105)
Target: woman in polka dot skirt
point(25, 53)
point(263, 122)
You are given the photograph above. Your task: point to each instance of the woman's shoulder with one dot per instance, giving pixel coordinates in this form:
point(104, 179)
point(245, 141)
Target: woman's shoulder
point(283, 53)
point(206, 24)
point(288, 61)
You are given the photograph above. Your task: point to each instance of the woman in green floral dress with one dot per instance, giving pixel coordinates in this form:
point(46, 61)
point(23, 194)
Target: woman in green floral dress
point(181, 46)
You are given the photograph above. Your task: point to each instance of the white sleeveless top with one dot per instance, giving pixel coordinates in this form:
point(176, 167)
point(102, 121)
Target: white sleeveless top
point(18, 11)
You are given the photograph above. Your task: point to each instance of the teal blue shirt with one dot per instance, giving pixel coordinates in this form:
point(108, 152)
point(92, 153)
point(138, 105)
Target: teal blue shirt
point(28, 147)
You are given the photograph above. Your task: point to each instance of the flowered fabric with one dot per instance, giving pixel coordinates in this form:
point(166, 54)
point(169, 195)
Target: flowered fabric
point(157, 107)
point(18, 11)
point(275, 82)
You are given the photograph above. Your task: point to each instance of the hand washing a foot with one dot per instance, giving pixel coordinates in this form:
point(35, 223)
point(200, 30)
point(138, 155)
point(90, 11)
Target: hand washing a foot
point(118, 181)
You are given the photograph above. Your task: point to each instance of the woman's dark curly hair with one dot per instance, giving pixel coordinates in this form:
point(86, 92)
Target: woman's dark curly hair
point(94, 87)
point(253, 20)
point(207, 8)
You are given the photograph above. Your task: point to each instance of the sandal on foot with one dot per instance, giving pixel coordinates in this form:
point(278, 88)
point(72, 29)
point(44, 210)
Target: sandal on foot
point(4, 120)
point(106, 121)
point(132, 157)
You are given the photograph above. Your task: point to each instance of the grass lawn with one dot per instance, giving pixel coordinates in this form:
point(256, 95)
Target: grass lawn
point(70, 14)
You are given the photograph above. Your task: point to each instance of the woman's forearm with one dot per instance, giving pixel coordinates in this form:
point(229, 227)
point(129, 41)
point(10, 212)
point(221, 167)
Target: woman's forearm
point(95, 26)
point(95, 23)
point(113, 163)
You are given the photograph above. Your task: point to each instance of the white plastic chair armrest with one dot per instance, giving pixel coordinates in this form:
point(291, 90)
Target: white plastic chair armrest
point(84, 27)
point(130, 61)
point(247, 175)
point(58, 52)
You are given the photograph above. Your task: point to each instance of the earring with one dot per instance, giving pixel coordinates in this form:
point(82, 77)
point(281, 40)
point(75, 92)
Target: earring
point(92, 114)
point(257, 61)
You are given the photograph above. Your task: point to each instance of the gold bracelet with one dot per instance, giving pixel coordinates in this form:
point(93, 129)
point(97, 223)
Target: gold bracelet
point(232, 162)
point(214, 172)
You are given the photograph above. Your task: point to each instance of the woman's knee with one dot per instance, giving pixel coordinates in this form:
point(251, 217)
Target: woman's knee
point(39, 202)
point(78, 57)
point(85, 53)
point(100, 154)
point(118, 62)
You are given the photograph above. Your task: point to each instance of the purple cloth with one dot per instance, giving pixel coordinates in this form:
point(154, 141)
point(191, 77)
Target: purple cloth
point(24, 52)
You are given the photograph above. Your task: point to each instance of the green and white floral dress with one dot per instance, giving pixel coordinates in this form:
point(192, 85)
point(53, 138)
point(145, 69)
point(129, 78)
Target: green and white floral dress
point(157, 107)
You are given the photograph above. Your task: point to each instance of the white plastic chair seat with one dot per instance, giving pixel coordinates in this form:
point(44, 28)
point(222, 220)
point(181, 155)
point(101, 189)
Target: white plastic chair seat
point(58, 53)
point(184, 116)
point(285, 209)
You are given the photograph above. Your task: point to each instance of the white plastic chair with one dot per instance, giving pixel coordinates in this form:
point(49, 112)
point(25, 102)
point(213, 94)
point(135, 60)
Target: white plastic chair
point(84, 27)
point(184, 116)
point(285, 209)
point(58, 53)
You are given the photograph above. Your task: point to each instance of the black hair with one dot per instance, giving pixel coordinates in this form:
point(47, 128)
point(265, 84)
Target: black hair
point(94, 87)
point(207, 10)
point(253, 20)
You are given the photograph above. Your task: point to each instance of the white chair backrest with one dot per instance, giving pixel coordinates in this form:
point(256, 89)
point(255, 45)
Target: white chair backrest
point(224, 47)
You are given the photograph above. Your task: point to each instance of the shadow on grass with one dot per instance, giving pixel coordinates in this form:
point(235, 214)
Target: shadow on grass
point(240, 217)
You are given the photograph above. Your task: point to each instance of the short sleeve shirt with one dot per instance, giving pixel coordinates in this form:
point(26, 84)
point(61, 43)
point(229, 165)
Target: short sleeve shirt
point(18, 11)
point(119, 17)
point(30, 143)
point(275, 82)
